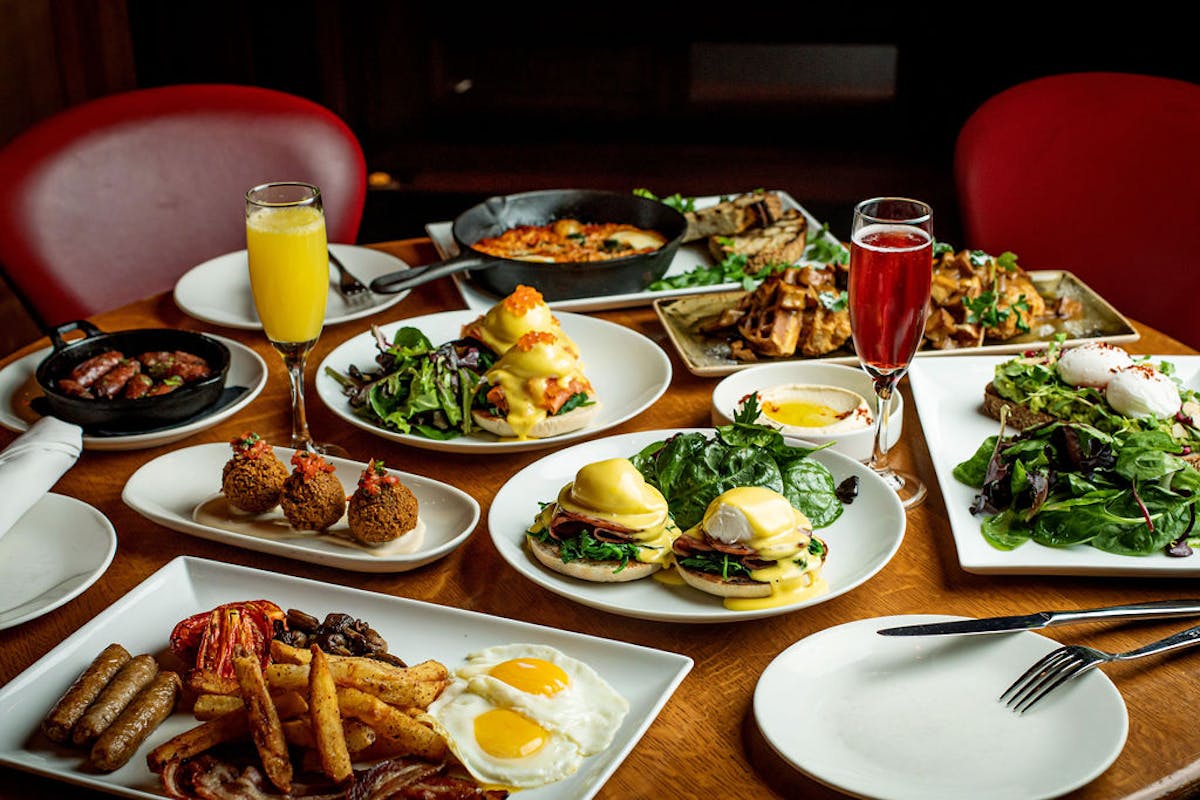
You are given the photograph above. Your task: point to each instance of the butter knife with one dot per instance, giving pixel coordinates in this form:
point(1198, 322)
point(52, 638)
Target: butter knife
point(1156, 609)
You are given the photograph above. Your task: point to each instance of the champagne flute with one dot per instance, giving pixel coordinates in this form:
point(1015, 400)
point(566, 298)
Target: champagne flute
point(289, 276)
point(891, 269)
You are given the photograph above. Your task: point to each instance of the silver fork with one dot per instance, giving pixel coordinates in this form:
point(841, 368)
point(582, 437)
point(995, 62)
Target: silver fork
point(353, 291)
point(1070, 661)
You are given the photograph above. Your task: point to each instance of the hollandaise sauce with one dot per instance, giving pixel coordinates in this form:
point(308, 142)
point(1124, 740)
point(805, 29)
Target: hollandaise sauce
point(766, 522)
point(525, 372)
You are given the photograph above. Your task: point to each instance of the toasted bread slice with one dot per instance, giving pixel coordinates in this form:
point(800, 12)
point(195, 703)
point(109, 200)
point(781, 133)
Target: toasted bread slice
point(733, 216)
point(1021, 416)
point(779, 243)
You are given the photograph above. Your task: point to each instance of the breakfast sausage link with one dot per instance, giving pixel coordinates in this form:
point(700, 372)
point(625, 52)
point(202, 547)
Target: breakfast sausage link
point(88, 372)
point(121, 740)
point(189, 371)
point(138, 386)
point(119, 693)
point(74, 389)
point(87, 687)
point(113, 381)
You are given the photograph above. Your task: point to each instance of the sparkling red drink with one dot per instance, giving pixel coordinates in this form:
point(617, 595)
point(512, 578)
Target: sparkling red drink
point(891, 268)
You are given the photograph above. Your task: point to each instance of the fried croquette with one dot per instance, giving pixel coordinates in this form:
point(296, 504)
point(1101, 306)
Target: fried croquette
point(382, 508)
point(253, 478)
point(313, 498)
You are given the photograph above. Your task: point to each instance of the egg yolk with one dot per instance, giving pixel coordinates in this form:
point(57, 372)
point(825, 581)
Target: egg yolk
point(504, 733)
point(531, 675)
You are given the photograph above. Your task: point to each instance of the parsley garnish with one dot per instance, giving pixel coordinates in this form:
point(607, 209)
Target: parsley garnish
point(834, 301)
point(676, 201)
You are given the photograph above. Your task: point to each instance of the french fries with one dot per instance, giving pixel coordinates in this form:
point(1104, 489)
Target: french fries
point(407, 687)
point(265, 727)
point(334, 710)
point(327, 719)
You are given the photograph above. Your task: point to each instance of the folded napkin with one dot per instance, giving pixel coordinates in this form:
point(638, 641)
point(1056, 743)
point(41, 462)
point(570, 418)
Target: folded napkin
point(33, 463)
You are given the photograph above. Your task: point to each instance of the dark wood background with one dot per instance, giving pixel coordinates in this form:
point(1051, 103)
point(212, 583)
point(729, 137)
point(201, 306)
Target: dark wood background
point(455, 102)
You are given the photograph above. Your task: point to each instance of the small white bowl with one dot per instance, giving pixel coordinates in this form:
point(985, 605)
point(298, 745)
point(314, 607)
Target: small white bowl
point(728, 394)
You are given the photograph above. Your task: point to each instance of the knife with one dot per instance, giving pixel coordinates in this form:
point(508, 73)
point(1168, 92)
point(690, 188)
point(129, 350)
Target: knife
point(1045, 619)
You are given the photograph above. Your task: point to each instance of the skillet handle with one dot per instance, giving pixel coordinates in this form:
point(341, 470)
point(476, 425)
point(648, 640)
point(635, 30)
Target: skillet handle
point(408, 278)
point(56, 334)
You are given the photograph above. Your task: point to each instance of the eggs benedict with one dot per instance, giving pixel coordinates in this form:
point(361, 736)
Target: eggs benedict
point(516, 315)
point(751, 543)
point(607, 525)
point(536, 389)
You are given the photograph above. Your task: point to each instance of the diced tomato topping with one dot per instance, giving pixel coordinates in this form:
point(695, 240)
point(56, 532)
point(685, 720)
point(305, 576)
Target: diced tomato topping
point(309, 464)
point(375, 477)
point(249, 445)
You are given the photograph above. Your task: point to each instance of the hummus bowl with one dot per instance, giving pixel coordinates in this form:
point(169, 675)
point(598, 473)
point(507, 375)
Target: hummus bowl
point(817, 403)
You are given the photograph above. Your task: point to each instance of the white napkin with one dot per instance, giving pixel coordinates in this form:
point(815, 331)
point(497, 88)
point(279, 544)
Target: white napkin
point(33, 463)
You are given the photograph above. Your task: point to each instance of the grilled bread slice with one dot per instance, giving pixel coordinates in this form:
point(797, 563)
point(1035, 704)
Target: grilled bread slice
point(781, 242)
point(733, 216)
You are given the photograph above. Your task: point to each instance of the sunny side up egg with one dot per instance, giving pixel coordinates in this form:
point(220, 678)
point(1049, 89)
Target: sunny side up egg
point(524, 715)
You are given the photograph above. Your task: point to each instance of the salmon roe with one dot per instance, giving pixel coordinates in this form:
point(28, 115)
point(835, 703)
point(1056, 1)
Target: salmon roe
point(523, 299)
point(530, 340)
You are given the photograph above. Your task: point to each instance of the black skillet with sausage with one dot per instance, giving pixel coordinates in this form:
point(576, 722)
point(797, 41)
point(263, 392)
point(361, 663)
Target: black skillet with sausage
point(131, 380)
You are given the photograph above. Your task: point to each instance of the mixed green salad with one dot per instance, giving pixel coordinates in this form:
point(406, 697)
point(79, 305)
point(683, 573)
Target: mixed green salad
point(419, 388)
point(1033, 382)
point(1068, 483)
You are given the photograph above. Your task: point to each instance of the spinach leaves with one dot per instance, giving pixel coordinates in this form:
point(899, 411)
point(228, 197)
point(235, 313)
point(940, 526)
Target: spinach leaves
point(692, 469)
point(1065, 484)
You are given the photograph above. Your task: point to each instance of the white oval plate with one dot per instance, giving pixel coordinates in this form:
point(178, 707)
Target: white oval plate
point(861, 541)
point(59, 548)
point(218, 291)
point(918, 717)
point(170, 487)
point(246, 368)
point(629, 372)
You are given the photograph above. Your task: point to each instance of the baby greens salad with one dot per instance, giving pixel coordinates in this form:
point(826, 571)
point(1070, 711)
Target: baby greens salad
point(419, 388)
point(1068, 483)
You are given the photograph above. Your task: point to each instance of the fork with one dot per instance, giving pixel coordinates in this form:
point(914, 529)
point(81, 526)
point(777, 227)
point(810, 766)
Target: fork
point(353, 291)
point(1070, 661)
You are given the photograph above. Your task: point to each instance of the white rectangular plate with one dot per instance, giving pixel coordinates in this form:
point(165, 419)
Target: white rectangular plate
point(688, 257)
point(143, 619)
point(949, 398)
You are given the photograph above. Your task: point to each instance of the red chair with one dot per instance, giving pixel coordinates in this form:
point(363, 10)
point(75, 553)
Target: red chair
point(1096, 173)
point(114, 199)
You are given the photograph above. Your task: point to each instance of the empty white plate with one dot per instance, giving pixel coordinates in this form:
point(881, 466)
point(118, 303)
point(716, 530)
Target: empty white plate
point(59, 548)
point(218, 291)
point(918, 717)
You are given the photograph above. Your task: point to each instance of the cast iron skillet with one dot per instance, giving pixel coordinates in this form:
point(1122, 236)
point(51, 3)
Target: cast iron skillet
point(122, 414)
point(558, 281)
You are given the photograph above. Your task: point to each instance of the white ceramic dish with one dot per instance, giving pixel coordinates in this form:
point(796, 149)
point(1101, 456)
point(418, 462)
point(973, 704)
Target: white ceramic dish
point(949, 398)
point(727, 399)
point(142, 620)
point(246, 369)
point(917, 718)
point(168, 488)
point(861, 541)
point(629, 372)
point(687, 258)
point(218, 291)
point(53, 553)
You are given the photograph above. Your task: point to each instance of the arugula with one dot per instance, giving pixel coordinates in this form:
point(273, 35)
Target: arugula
point(825, 248)
point(692, 469)
point(1067, 484)
point(419, 388)
point(731, 269)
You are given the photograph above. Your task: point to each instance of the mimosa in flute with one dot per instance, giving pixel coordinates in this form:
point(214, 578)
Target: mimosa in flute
point(289, 276)
point(891, 269)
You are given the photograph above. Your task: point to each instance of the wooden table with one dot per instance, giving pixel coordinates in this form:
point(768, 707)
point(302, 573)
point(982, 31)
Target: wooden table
point(705, 742)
